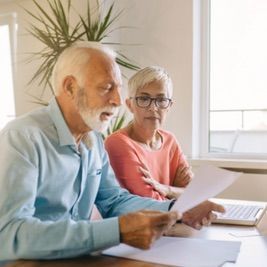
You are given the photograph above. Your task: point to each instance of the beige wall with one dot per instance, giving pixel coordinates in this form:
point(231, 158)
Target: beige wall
point(27, 44)
point(164, 30)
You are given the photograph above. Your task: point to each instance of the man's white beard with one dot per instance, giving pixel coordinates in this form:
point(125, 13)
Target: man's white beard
point(92, 118)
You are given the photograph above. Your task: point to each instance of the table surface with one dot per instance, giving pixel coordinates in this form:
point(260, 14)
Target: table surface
point(253, 248)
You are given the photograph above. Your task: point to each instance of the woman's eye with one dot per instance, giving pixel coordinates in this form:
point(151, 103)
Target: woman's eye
point(144, 98)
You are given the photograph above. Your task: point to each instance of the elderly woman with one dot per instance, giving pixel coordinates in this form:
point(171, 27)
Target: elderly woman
point(147, 160)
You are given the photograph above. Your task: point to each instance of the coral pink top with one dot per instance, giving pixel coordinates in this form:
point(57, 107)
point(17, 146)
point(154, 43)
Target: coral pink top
point(127, 155)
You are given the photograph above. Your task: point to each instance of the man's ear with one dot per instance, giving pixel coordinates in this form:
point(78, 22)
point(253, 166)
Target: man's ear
point(128, 103)
point(69, 85)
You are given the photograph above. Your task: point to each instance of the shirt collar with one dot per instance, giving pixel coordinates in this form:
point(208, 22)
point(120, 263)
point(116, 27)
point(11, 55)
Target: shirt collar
point(64, 135)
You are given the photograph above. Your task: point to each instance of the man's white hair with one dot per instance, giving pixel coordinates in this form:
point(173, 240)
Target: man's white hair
point(148, 75)
point(73, 60)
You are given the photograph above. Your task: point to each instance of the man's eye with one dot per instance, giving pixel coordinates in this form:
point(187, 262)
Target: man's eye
point(106, 89)
point(161, 100)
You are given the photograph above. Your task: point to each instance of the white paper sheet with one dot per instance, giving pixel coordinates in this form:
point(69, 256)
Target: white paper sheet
point(208, 181)
point(175, 251)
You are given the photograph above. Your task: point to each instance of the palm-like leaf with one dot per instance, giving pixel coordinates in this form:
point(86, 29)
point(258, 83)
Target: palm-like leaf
point(116, 125)
point(53, 29)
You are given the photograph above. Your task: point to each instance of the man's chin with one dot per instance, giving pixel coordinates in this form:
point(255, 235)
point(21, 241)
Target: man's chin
point(101, 128)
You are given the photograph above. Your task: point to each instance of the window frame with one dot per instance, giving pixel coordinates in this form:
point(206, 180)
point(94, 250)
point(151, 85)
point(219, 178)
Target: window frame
point(204, 110)
point(10, 20)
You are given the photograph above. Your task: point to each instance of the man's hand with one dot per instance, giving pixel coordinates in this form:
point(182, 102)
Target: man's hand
point(202, 214)
point(140, 229)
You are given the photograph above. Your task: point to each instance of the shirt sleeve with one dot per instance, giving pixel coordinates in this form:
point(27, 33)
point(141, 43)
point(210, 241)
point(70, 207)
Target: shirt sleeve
point(23, 235)
point(126, 162)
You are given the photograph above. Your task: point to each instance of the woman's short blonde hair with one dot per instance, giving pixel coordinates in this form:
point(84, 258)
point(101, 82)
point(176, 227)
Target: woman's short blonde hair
point(148, 75)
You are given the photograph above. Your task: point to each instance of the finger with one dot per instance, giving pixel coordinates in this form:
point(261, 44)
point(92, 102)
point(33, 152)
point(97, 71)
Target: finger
point(206, 221)
point(185, 179)
point(181, 169)
point(217, 207)
point(197, 226)
point(147, 180)
point(169, 218)
point(157, 213)
point(212, 216)
point(185, 175)
point(145, 172)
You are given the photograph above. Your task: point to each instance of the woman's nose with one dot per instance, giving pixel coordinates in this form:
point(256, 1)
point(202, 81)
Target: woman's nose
point(153, 105)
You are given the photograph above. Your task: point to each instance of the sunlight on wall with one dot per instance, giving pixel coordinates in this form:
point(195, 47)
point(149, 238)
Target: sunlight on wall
point(7, 105)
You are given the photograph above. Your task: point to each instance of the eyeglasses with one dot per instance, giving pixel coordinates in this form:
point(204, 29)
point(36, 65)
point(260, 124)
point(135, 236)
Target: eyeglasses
point(145, 101)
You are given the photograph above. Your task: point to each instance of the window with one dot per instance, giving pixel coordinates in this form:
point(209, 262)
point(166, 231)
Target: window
point(7, 103)
point(235, 78)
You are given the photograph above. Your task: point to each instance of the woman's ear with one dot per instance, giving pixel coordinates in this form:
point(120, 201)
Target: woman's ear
point(128, 103)
point(169, 107)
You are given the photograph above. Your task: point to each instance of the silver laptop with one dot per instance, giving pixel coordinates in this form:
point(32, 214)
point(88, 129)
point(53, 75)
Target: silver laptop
point(240, 212)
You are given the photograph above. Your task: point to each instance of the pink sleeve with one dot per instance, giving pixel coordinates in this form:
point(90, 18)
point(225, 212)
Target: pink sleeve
point(125, 162)
point(181, 157)
point(178, 160)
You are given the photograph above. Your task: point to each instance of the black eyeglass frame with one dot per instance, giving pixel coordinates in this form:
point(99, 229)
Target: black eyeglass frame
point(155, 99)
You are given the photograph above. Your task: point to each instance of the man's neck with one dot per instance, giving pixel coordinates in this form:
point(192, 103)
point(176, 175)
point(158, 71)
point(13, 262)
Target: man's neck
point(75, 123)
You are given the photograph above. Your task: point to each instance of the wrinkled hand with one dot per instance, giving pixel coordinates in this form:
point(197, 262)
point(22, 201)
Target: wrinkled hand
point(183, 176)
point(140, 229)
point(160, 188)
point(202, 215)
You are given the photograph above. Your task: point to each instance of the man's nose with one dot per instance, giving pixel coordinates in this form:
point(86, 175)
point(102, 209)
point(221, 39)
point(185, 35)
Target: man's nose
point(116, 98)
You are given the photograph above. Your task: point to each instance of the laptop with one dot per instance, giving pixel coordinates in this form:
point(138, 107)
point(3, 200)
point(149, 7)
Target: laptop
point(240, 212)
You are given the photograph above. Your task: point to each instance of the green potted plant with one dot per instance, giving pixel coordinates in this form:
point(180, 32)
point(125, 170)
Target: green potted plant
point(54, 30)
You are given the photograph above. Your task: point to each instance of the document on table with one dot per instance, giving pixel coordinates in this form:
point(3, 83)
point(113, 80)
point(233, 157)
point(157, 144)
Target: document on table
point(175, 251)
point(208, 181)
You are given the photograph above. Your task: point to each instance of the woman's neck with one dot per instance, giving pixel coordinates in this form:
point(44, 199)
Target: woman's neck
point(150, 138)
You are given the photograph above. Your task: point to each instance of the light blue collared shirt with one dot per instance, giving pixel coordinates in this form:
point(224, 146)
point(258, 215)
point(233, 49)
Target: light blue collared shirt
point(48, 187)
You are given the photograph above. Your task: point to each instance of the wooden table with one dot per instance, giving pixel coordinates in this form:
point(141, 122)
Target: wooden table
point(253, 249)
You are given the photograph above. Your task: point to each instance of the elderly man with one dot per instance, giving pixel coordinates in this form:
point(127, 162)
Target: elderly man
point(54, 168)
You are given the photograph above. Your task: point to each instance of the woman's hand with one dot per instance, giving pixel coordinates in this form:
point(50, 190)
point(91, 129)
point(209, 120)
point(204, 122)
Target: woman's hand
point(164, 190)
point(183, 176)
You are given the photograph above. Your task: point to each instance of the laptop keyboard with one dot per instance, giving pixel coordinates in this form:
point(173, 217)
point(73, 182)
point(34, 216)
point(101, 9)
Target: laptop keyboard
point(240, 212)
